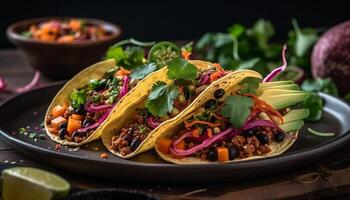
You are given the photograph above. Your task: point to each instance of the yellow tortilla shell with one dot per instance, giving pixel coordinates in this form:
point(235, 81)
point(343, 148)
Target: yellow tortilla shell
point(123, 117)
point(97, 71)
point(276, 148)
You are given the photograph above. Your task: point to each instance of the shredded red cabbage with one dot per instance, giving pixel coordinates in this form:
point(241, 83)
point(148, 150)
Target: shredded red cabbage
point(124, 88)
point(204, 144)
point(278, 70)
point(206, 141)
point(2, 84)
point(152, 122)
point(204, 78)
point(96, 108)
point(259, 122)
point(98, 123)
point(31, 85)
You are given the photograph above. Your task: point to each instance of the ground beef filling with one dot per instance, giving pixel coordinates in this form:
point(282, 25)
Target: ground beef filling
point(246, 146)
point(131, 136)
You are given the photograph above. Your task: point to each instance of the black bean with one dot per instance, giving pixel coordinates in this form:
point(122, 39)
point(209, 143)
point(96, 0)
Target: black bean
point(263, 139)
point(128, 138)
point(80, 110)
point(212, 155)
point(78, 134)
point(62, 125)
point(232, 152)
point(210, 103)
point(279, 136)
point(101, 84)
point(135, 143)
point(249, 133)
point(219, 93)
point(87, 122)
point(187, 93)
point(63, 132)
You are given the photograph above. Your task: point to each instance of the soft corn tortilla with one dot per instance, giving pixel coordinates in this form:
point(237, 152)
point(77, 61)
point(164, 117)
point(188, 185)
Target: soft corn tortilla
point(276, 148)
point(126, 114)
point(97, 71)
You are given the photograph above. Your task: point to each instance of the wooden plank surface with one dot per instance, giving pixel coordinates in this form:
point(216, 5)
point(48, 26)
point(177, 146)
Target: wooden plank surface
point(328, 178)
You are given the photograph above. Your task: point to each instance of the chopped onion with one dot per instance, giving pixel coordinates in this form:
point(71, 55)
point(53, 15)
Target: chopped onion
point(278, 70)
point(152, 122)
point(31, 85)
point(204, 144)
point(2, 84)
point(124, 88)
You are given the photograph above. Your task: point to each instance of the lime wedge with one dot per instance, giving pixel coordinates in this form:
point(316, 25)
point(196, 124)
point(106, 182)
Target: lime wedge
point(32, 184)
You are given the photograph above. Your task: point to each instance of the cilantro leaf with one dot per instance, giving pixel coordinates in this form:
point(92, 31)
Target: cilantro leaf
point(248, 64)
point(249, 85)
point(129, 58)
point(142, 71)
point(237, 109)
point(181, 69)
point(305, 39)
point(158, 89)
point(320, 85)
point(163, 103)
point(315, 105)
point(262, 30)
point(77, 98)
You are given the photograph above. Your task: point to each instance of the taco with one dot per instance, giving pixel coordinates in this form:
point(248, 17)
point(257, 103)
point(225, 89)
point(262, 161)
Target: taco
point(135, 130)
point(85, 102)
point(249, 120)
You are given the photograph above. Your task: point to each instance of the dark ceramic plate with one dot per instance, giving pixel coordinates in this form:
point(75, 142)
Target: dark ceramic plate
point(29, 110)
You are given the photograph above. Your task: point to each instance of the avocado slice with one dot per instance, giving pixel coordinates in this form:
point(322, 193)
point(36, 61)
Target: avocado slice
point(282, 87)
point(273, 92)
point(284, 100)
point(296, 114)
point(292, 126)
point(275, 83)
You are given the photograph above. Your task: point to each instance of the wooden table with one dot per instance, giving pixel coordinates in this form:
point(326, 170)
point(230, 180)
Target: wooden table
point(329, 178)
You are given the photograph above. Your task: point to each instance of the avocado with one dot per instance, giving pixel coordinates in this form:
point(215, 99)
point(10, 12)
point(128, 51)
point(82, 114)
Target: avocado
point(296, 114)
point(292, 126)
point(273, 92)
point(282, 87)
point(284, 100)
point(275, 83)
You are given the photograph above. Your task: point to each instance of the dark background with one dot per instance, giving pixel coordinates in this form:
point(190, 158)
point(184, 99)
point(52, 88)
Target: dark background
point(168, 20)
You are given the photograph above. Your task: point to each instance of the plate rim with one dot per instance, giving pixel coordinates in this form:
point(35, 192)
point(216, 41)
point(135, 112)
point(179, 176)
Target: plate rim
point(310, 152)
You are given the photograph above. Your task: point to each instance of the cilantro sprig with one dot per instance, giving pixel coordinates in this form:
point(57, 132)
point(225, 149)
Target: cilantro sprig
point(181, 69)
point(161, 99)
point(142, 71)
point(237, 109)
point(249, 85)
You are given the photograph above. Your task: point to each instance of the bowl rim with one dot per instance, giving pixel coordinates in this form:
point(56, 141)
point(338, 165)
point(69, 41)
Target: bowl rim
point(15, 37)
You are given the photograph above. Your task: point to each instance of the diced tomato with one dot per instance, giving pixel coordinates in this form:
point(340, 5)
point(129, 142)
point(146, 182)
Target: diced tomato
point(53, 130)
point(210, 132)
point(78, 117)
point(196, 132)
point(223, 155)
point(55, 123)
point(73, 125)
point(163, 145)
point(123, 72)
point(58, 111)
